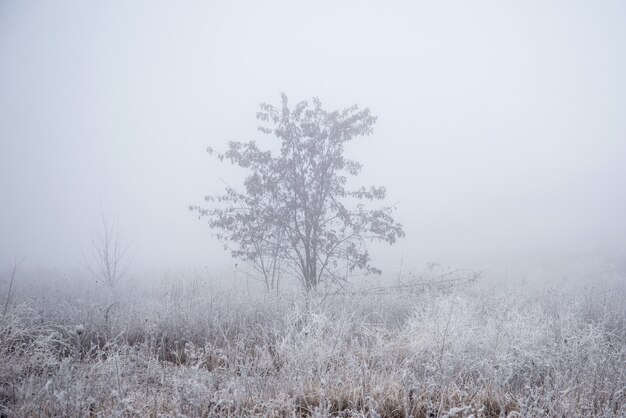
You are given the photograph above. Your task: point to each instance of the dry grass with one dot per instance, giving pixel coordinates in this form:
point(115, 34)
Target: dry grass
point(187, 350)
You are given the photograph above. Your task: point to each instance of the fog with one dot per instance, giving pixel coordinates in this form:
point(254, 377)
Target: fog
point(501, 132)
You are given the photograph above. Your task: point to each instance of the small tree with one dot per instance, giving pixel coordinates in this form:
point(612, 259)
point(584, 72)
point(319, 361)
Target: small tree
point(108, 262)
point(11, 292)
point(109, 259)
point(296, 215)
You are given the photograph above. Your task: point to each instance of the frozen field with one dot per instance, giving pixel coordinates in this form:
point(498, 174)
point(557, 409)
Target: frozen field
point(185, 348)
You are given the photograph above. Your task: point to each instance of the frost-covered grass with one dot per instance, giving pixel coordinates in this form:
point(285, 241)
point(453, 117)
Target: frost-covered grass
point(190, 350)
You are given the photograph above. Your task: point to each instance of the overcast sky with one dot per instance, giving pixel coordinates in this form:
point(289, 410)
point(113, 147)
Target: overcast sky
point(501, 126)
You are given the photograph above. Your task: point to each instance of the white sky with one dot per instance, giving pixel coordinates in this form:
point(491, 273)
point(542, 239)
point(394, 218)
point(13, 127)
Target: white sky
point(501, 129)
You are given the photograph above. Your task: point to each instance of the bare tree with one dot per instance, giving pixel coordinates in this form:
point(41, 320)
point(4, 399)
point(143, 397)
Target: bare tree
point(11, 292)
point(109, 258)
point(266, 263)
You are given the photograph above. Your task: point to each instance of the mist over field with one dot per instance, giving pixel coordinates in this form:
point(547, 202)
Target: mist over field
point(496, 129)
